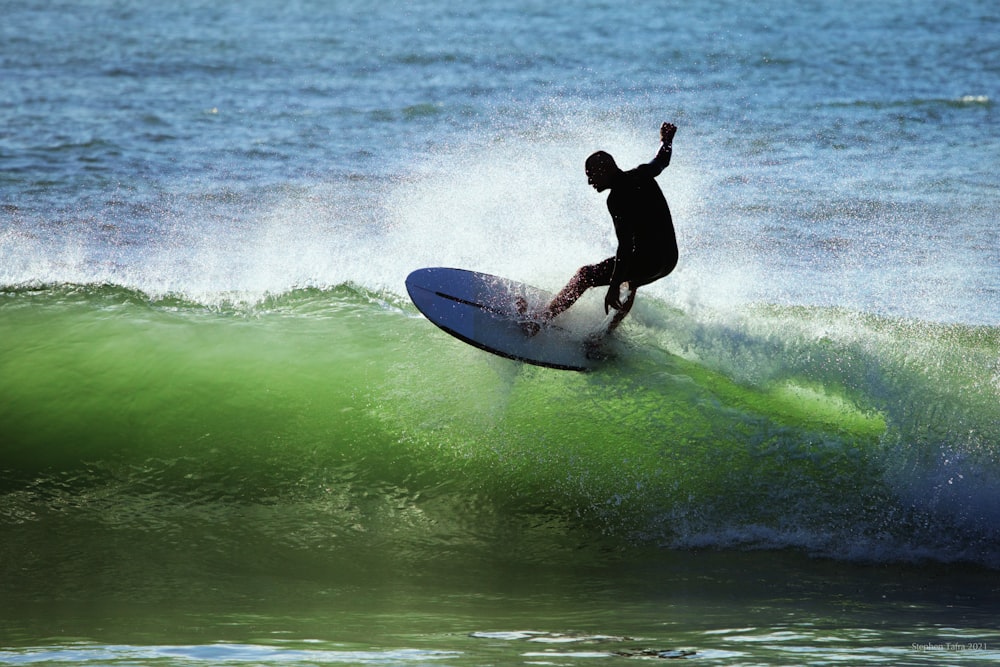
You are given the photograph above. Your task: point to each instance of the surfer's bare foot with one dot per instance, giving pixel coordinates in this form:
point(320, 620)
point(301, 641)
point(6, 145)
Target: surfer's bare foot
point(529, 325)
point(530, 328)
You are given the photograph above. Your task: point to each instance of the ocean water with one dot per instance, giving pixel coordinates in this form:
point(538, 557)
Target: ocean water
point(227, 437)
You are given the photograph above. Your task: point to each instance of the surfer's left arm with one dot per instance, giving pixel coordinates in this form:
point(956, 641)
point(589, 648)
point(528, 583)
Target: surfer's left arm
point(623, 262)
point(613, 298)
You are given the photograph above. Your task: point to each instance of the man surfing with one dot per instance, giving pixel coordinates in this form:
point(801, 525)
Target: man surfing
point(647, 245)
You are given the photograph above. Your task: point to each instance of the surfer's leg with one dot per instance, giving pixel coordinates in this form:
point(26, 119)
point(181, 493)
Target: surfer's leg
point(586, 277)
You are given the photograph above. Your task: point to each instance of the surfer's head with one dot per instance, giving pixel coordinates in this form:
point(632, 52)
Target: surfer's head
point(601, 170)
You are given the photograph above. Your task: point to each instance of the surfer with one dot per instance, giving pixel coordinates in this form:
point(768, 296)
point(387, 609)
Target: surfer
point(647, 245)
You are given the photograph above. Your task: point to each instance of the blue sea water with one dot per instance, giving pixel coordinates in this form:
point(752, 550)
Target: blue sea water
point(227, 437)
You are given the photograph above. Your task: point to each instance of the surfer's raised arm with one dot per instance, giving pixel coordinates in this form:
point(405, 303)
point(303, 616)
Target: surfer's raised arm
point(662, 159)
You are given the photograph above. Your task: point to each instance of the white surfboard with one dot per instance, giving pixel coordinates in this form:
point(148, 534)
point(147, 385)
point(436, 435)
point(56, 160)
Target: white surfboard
point(484, 311)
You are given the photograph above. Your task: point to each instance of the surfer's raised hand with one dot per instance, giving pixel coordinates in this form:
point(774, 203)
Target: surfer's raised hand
point(667, 132)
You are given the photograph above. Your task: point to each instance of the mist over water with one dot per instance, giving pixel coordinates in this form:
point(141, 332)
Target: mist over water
point(514, 201)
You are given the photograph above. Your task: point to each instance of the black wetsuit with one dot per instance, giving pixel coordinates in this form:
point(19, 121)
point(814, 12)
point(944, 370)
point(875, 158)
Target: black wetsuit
point(647, 245)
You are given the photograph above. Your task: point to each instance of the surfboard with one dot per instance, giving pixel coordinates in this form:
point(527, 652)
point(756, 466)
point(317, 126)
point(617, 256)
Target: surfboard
point(490, 313)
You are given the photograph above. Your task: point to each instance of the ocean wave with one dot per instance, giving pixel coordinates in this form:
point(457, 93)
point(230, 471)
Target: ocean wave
point(841, 434)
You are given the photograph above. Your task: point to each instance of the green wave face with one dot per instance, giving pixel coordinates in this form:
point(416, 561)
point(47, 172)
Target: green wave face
point(341, 419)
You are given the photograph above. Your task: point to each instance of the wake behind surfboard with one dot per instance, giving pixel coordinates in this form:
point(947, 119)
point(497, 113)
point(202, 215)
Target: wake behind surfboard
point(489, 312)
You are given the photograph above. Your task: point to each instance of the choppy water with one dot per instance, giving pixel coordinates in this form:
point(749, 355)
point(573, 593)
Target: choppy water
point(226, 436)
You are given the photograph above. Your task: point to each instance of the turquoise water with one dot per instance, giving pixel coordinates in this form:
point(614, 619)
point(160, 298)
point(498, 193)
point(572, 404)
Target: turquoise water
point(227, 437)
